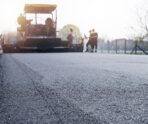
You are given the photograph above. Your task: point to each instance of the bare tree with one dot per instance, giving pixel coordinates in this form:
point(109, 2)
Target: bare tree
point(140, 31)
point(143, 22)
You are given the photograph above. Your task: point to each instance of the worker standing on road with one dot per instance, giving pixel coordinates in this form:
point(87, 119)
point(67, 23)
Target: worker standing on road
point(89, 43)
point(94, 40)
point(70, 37)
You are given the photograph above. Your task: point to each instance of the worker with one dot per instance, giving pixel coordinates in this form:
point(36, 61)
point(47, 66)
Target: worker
point(70, 37)
point(50, 27)
point(89, 43)
point(49, 22)
point(94, 40)
point(22, 21)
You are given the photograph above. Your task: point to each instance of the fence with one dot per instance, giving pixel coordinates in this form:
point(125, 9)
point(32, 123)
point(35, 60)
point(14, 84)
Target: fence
point(122, 47)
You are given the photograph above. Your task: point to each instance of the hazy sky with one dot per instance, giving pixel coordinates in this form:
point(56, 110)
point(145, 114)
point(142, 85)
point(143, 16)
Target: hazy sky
point(110, 18)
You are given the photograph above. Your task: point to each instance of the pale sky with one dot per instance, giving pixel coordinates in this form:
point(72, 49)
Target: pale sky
point(110, 18)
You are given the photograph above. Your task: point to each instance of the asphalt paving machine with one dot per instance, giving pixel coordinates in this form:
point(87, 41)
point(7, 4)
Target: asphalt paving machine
point(38, 31)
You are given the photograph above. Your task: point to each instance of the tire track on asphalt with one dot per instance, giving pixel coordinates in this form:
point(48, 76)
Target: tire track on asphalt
point(66, 112)
point(21, 101)
point(36, 88)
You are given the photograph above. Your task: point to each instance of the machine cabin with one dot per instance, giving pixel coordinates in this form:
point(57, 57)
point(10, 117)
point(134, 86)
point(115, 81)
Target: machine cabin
point(39, 11)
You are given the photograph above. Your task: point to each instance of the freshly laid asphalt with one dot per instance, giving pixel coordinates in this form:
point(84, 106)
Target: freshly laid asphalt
point(73, 88)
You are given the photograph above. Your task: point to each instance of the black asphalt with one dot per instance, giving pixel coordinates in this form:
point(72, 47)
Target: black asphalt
point(73, 88)
point(24, 100)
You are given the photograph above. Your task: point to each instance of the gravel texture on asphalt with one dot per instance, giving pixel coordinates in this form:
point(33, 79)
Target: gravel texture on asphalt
point(110, 88)
point(1, 81)
point(26, 100)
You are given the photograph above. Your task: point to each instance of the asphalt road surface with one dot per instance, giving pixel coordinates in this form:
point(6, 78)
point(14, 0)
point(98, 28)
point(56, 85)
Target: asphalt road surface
point(73, 88)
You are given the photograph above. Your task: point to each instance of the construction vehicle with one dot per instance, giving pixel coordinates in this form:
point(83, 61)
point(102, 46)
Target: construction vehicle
point(39, 33)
